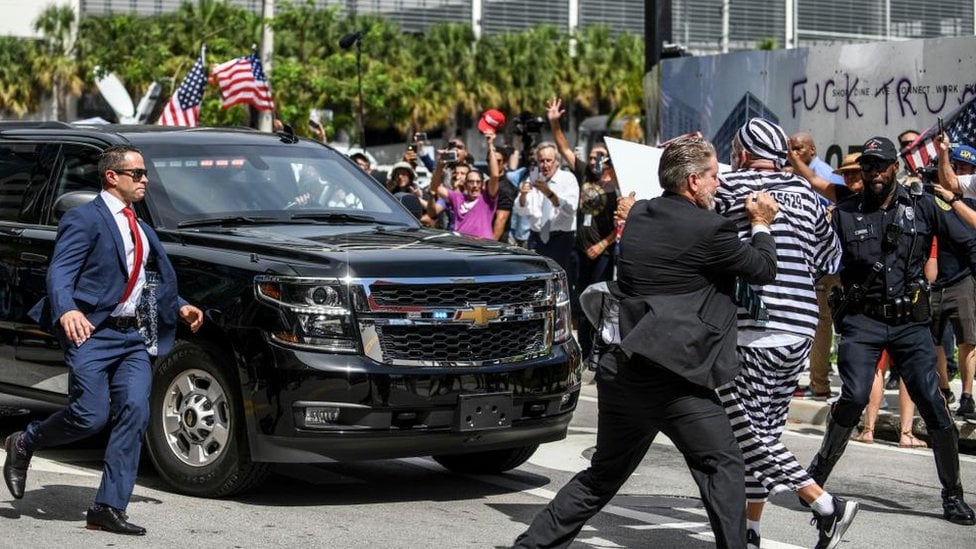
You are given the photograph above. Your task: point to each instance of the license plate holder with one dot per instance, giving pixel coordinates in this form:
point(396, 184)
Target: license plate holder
point(483, 412)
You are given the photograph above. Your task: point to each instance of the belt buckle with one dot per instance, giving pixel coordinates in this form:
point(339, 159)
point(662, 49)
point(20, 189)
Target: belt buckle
point(889, 311)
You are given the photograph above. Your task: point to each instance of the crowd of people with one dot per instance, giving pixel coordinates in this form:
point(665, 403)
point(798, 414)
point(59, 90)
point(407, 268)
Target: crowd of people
point(765, 268)
point(763, 265)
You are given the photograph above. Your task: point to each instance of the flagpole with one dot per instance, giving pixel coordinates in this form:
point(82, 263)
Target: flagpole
point(267, 46)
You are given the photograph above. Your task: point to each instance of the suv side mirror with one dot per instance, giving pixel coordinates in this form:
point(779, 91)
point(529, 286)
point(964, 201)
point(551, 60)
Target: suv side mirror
point(71, 199)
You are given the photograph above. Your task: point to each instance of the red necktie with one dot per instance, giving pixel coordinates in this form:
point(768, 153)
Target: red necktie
point(137, 260)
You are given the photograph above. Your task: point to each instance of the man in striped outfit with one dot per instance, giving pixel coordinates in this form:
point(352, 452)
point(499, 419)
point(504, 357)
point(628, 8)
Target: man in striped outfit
point(773, 347)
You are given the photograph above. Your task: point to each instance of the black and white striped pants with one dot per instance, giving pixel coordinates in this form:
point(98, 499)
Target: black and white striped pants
point(757, 402)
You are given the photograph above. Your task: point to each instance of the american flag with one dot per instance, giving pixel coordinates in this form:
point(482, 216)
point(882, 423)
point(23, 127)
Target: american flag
point(183, 109)
point(960, 127)
point(242, 80)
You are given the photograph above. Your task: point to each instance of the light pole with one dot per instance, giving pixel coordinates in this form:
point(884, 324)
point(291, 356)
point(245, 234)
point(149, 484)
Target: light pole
point(345, 43)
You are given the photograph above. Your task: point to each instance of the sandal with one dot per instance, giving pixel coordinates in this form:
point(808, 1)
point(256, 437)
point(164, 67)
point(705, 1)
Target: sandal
point(913, 441)
point(866, 436)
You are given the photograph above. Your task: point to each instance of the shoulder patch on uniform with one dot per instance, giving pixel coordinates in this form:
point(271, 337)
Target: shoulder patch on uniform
point(943, 204)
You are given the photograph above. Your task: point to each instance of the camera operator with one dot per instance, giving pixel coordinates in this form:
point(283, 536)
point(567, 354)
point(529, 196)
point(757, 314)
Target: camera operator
point(595, 228)
point(549, 198)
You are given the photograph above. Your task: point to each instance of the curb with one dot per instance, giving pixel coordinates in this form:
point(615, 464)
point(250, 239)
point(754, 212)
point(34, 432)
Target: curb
point(888, 425)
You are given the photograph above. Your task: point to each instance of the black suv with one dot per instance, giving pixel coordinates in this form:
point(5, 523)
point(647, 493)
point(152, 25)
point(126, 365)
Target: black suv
point(337, 328)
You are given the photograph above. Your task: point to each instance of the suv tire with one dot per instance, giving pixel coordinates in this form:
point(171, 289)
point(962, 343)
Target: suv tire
point(196, 435)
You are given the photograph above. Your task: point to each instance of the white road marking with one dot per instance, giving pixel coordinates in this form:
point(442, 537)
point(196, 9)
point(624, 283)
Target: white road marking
point(652, 519)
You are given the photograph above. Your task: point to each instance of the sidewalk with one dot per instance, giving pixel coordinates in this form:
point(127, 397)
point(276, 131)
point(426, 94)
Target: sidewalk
point(807, 410)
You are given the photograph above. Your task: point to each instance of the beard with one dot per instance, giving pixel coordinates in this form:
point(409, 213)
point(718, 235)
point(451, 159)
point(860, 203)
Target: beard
point(706, 198)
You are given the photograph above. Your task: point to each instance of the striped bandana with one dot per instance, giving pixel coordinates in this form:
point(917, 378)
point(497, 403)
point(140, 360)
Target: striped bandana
point(764, 139)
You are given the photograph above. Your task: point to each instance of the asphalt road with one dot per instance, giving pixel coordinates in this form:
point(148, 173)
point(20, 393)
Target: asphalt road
point(414, 503)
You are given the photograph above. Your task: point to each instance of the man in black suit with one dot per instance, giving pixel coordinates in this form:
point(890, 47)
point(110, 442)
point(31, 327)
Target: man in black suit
point(677, 268)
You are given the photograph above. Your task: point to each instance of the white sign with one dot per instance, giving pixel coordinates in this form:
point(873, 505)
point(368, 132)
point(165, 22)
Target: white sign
point(636, 167)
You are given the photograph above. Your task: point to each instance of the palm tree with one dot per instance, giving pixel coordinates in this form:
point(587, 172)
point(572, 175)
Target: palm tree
point(20, 91)
point(57, 68)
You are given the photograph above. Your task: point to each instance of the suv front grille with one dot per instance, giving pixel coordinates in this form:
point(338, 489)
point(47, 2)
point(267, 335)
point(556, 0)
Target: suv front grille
point(445, 322)
point(458, 295)
point(449, 343)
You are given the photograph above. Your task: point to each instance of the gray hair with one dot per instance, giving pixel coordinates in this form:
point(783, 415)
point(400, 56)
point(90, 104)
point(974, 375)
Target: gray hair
point(548, 145)
point(683, 157)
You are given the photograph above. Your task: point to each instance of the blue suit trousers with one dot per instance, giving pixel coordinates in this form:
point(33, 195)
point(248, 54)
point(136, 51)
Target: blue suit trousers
point(109, 379)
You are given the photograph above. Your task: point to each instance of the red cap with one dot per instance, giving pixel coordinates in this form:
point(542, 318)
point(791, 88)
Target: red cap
point(491, 120)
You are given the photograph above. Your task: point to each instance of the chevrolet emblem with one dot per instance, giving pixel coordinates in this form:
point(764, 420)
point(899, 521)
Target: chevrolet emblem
point(479, 314)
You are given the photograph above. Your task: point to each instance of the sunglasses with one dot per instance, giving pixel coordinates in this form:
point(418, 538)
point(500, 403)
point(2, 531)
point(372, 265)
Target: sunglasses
point(136, 173)
point(874, 165)
point(905, 143)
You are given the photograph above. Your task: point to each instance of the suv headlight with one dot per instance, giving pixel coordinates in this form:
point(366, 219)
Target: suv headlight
point(564, 322)
point(315, 312)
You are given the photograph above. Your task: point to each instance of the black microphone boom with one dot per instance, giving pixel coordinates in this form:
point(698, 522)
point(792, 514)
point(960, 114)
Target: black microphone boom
point(348, 40)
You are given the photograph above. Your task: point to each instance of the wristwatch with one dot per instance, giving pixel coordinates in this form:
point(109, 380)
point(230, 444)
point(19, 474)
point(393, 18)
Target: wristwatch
point(955, 198)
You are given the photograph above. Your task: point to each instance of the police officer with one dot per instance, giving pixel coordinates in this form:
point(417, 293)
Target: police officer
point(886, 234)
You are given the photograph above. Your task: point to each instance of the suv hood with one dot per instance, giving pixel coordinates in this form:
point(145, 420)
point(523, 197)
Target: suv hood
point(368, 250)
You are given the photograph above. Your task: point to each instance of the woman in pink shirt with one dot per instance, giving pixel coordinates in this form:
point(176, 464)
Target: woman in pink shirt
point(474, 207)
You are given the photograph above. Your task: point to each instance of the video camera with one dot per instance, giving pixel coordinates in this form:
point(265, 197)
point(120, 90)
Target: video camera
point(525, 123)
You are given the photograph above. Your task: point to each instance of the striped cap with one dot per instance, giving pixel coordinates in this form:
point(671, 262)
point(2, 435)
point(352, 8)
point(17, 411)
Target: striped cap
point(764, 139)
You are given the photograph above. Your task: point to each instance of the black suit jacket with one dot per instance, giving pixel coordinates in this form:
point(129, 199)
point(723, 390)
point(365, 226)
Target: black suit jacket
point(676, 271)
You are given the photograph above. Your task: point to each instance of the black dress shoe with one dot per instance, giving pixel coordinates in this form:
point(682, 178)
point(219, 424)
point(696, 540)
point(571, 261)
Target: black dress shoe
point(102, 517)
point(15, 466)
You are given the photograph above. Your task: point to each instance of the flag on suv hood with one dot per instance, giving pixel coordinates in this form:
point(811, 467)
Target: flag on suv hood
point(959, 125)
point(183, 109)
point(242, 80)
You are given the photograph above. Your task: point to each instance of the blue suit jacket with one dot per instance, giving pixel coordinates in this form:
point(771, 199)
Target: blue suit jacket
point(88, 272)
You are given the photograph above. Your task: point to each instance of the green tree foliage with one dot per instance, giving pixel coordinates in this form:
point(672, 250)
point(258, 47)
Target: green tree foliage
point(411, 82)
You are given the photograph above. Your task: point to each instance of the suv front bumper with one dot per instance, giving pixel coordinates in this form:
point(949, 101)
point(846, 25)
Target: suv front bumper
point(319, 407)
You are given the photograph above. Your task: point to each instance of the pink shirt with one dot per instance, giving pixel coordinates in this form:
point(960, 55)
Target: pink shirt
point(474, 219)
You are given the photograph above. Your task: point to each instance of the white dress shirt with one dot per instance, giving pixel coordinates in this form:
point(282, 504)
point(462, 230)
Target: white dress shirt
point(543, 215)
point(128, 307)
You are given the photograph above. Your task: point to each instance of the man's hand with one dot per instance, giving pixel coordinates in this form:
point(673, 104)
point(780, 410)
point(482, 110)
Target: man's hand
point(624, 204)
point(761, 208)
point(490, 139)
point(553, 110)
point(192, 316)
point(543, 187)
point(942, 142)
point(525, 187)
point(76, 326)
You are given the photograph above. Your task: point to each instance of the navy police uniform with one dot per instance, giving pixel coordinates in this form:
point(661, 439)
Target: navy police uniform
point(886, 306)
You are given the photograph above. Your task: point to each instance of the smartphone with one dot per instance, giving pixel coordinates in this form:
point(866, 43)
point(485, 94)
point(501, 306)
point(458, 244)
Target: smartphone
point(534, 175)
point(449, 156)
point(941, 129)
point(420, 137)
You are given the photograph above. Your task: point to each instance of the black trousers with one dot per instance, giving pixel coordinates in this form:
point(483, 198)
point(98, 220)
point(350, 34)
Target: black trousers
point(635, 404)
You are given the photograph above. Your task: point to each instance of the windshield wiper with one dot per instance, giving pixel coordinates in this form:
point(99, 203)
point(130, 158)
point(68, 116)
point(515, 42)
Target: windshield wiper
point(229, 220)
point(346, 217)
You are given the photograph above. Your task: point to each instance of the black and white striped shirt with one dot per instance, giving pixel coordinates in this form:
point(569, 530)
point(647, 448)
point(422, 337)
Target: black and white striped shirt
point(806, 246)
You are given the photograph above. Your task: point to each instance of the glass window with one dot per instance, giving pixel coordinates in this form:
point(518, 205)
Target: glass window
point(24, 170)
point(196, 183)
point(79, 178)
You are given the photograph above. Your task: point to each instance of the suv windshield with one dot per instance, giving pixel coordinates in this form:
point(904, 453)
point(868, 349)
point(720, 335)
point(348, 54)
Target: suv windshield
point(190, 185)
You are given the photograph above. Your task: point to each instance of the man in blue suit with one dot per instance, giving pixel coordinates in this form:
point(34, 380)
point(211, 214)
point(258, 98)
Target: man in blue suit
point(94, 285)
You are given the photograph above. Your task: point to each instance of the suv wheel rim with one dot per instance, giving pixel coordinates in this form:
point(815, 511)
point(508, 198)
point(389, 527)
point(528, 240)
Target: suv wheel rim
point(196, 418)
